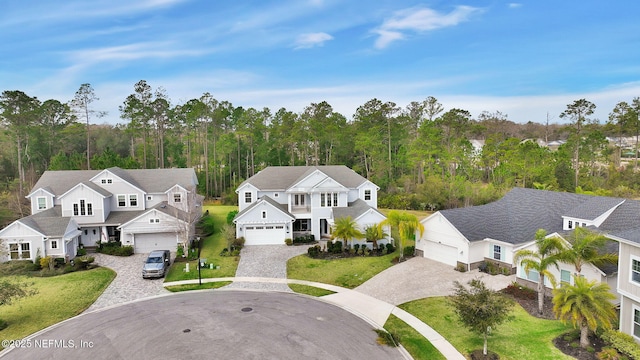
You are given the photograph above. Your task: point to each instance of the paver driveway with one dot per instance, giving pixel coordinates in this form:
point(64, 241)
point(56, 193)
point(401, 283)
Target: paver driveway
point(128, 284)
point(419, 278)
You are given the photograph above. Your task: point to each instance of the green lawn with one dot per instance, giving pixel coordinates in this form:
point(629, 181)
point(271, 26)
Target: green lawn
point(310, 290)
point(525, 337)
point(58, 298)
point(416, 344)
point(348, 273)
point(187, 287)
point(211, 250)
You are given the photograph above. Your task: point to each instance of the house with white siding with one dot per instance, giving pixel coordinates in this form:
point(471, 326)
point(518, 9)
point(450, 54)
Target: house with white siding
point(144, 208)
point(285, 202)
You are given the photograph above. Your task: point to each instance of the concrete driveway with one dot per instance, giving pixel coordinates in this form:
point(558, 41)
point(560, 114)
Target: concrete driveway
point(128, 284)
point(419, 278)
point(211, 324)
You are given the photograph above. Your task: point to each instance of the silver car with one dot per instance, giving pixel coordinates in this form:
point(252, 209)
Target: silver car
point(156, 264)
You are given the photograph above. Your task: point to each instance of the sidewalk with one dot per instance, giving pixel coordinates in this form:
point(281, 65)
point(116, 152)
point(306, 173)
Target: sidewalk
point(372, 310)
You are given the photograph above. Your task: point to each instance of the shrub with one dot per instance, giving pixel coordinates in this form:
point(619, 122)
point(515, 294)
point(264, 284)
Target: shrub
point(356, 247)
point(461, 268)
point(622, 342)
point(116, 250)
point(206, 225)
point(608, 353)
point(288, 241)
point(81, 252)
point(314, 251)
point(231, 215)
point(180, 251)
point(409, 250)
point(520, 292)
point(45, 262)
point(3, 324)
point(335, 247)
point(390, 248)
point(238, 243)
point(83, 262)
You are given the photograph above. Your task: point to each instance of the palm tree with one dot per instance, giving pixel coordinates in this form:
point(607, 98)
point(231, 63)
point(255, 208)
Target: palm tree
point(373, 233)
point(407, 225)
point(587, 247)
point(586, 304)
point(346, 229)
point(547, 255)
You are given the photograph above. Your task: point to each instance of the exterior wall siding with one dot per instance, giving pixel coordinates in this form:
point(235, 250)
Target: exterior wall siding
point(624, 270)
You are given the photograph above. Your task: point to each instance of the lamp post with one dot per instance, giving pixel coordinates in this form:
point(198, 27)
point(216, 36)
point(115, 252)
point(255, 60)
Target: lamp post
point(199, 276)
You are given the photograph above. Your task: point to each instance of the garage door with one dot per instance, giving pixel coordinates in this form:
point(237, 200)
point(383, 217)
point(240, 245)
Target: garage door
point(264, 235)
point(145, 243)
point(442, 253)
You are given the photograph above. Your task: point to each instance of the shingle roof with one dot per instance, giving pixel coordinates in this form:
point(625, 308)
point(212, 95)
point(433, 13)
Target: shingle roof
point(521, 212)
point(283, 207)
point(354, 210)
point(283, 177)
point(150, 180)
point(49, 222)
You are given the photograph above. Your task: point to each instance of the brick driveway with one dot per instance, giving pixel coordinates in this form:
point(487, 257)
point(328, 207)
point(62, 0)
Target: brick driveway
point(128, 284)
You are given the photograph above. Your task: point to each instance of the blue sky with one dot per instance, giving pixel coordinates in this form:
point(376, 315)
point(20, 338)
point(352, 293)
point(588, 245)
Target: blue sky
point(524, 59)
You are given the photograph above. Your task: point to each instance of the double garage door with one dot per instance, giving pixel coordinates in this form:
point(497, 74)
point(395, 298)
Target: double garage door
point(264, 234)
point(441, 252)
point(145, 243)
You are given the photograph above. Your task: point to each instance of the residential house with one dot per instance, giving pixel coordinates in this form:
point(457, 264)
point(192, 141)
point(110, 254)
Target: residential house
point(494, 232)
point(147, 209)
point(285, 202)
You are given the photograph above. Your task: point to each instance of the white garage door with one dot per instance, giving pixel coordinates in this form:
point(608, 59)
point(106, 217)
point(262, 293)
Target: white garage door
point(145, 243)
point(442, 253)
point(264, 235)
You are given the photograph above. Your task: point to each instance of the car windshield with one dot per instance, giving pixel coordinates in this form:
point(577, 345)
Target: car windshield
point(154, 260)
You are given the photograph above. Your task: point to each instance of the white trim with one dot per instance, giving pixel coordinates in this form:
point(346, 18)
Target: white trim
point(38, 202)
point(634, 308)
point(631, 258)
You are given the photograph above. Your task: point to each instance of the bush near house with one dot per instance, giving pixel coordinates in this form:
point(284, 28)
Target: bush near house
point(115, 248)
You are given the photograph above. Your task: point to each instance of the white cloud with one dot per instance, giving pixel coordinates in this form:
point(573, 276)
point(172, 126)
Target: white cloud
point(309, 40)
point(419, 20)
point(514, 5)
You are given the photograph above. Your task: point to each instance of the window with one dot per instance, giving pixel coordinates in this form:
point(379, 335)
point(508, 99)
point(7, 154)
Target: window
point(54, 244)
point(25, 249)
point(301, 225)
point(329, 199)
point(565, 276)
point(247, 197)
point(133, 200)
point(177, 198)
point(13, 250)
point(276, 195)
point(82, 208)
point(298, 199)
point(154, 221)
point(42, 203)
point(107, 181)
point(122, 201)
point(570, 224)
point(636, 323)
point(635, 270)
point(264, 214)
point(149, 197)
point(367, 195)
point(497, 252)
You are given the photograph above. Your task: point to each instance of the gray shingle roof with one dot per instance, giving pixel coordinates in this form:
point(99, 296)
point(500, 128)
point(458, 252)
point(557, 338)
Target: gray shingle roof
point(48, 222)
point(354, 210)
point(283, 177)
point(274, 203)
point(149, 180)
point(521, 212)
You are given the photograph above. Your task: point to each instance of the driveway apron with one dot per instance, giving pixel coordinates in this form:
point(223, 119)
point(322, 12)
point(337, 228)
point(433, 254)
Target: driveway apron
point(265, 261)
point(128, 284)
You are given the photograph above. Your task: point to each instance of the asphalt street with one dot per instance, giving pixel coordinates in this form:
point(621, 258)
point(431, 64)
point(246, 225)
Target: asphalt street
point(210, 324)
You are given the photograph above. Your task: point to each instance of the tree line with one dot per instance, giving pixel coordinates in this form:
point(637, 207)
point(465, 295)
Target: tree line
point(421, 155)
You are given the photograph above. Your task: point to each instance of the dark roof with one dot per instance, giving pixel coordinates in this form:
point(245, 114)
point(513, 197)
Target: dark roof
point(149, 180)
point(521, 212)
point(283, 177)
point(354, 210)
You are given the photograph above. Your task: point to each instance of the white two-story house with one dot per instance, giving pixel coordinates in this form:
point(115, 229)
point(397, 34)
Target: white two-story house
point(284, 202)
point(147, 209)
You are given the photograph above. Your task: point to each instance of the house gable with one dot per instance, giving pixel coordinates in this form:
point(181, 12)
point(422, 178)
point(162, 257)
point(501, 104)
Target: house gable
point(41, 199)
point(255, 213)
